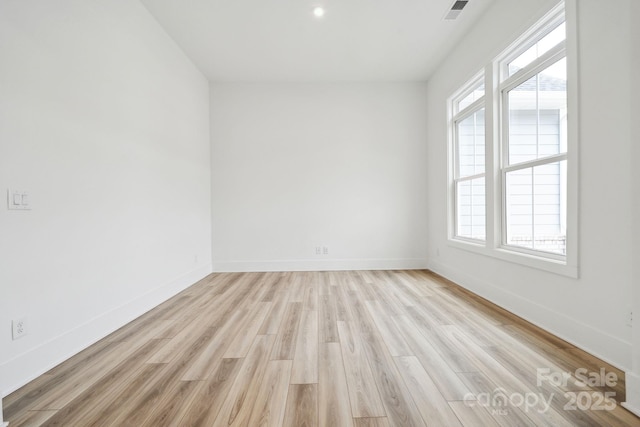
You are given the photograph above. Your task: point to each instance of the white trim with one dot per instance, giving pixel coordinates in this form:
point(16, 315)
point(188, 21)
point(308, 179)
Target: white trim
point(541, 161)
point(616, 352)
point(531, 35)
point(632, 383)
point(573, 136)
point(469, 110)
point(471, 177)
point(320, 265)
point(464, 91)
point(536, 66)
point(33, 363)
point(516, 256)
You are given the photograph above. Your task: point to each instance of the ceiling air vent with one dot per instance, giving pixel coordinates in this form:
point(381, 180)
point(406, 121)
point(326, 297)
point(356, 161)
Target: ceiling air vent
point(456, 9)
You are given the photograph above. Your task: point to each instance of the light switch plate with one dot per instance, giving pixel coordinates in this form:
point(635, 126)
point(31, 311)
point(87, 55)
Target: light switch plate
point(18, 200)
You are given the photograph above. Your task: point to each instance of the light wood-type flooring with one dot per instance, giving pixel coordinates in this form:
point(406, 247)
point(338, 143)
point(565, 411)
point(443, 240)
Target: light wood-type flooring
point(366, 348)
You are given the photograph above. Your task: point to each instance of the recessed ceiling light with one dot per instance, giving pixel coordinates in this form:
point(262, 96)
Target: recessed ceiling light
point(318, 11)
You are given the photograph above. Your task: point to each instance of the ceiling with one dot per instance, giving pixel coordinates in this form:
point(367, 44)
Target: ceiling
point(282, 40)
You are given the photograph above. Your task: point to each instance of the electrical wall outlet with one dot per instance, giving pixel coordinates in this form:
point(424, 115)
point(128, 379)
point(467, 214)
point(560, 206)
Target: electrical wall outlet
point(19, 328)
point(322, 250)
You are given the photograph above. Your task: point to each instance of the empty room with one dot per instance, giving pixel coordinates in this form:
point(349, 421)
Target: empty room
point(319, 213)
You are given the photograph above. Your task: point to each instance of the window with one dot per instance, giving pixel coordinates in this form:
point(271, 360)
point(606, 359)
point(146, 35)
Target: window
point(469, 168)
point(513, 182)
point(534, 143)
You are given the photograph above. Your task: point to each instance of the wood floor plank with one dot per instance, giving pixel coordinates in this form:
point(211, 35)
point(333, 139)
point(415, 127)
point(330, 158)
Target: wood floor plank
point(79, 381)
point(32, 418)
point(388, 293)
point(24, 398)
point(170, 403)
point(273, 320)
point(333, 408)
point(305, 360)
point(203, 365)
point(328, 319)
point(472, 416)
point(430, 402)
point(203, 408)
point(323, 283)
point(174, 346)
point(167, 311)
point(153, 395)
point(415, 285)
point(237, 407)
point(388, 330)
point(310, 299)
point(298, 287)
point(239, 347)
point(284, 348)
point(271, 284)
point(448, 383)
point(104, 391)
point(363, 391)
point(134, 385)
point(396, 398)
point(302, 406)
point(337, 288)
point(371, 422)
point(367, 291)
point(458, 361)
point(271, 399)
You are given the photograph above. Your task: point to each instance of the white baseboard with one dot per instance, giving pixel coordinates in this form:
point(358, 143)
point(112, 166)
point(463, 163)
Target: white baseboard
point(321, 265)
point(632, 383)
point(24, 368)
point(610, 349)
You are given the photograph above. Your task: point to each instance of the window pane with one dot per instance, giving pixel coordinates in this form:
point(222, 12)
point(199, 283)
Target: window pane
point(471, 209)
point(538, 115)
point(476, 93)
point(470, 136)
point(536, 207)
point(538, 49)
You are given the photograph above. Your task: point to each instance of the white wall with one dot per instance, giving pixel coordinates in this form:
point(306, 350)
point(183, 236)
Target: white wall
point(633, 378)
point(300, 165)
point(591, 311)
point(105, 122)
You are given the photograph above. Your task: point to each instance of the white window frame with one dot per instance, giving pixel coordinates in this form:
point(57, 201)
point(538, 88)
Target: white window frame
point(457, 116)
point(494, 74)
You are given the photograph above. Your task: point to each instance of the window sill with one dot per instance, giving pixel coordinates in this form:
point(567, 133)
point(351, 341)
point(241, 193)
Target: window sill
point(532, 261)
